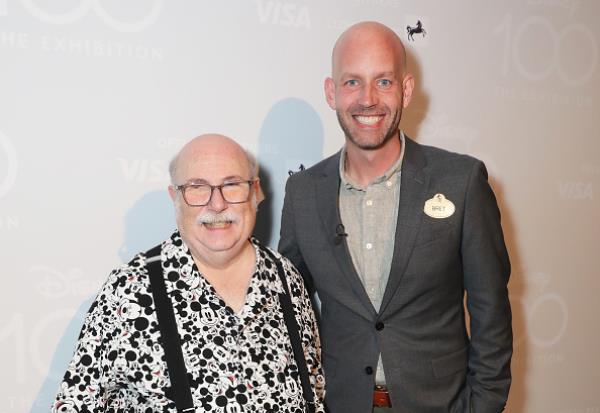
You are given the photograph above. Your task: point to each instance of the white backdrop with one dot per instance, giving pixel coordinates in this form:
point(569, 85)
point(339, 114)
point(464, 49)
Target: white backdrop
point(97, 95)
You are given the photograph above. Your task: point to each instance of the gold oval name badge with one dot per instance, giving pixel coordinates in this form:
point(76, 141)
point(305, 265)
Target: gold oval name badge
point(439, 207)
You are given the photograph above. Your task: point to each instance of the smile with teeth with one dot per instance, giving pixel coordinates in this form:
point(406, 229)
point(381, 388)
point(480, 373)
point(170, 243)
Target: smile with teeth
point(368, 120)
point(214, 221)
point(217, 224)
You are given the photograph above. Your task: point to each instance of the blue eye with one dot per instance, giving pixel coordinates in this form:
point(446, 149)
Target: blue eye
point(351, 82)
point(384, 83)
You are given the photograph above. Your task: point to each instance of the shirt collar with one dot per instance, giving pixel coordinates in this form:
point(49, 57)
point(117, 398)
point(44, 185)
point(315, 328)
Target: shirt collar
point(392, 170)
point(176, 248)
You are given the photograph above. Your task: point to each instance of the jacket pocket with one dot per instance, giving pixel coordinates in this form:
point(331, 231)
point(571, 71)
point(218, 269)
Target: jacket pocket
point(450, 363)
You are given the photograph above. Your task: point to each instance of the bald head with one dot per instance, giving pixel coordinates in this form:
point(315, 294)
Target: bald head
point(364, 36)
point(211, 146)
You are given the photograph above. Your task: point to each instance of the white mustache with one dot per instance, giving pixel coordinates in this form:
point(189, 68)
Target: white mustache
point(209, 217)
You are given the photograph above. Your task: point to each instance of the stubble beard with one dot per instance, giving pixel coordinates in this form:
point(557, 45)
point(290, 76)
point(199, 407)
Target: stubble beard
point(378, 143)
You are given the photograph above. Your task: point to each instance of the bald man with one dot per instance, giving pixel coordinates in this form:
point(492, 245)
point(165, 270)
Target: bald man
point(393, 235)
point(209, 320)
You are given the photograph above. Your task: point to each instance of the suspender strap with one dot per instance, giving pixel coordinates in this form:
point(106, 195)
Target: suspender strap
point(292, 327)
point(180, 387)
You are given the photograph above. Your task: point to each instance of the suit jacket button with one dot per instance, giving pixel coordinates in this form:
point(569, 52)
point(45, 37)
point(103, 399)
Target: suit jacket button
point(379, 326)
point(369, 370)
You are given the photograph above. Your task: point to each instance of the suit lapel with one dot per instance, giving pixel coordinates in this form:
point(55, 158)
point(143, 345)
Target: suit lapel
point(413, 191)
point(327, 192)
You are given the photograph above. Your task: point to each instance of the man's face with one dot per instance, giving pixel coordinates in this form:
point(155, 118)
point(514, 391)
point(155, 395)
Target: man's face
point(218, 229)
point(368, 91)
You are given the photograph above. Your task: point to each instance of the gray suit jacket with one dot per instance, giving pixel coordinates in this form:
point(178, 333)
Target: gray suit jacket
point(430, 363)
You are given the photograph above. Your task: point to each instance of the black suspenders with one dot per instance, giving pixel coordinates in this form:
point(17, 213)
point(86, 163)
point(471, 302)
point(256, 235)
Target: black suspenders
point(180, 387)
point(292, 328)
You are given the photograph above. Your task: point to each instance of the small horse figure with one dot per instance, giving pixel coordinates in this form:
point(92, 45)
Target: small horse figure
point(415, 30)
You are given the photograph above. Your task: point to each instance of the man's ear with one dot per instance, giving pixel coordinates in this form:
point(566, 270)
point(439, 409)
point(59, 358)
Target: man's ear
point(172, 192)
point(408, 86)
point(260, 195)
point(329, 87)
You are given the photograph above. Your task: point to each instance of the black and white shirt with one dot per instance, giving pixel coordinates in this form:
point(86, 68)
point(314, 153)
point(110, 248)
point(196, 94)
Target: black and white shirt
point(236, 362)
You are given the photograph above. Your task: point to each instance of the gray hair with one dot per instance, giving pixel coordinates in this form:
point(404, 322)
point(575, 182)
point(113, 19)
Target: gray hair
point(252, 163)
point(173, 167)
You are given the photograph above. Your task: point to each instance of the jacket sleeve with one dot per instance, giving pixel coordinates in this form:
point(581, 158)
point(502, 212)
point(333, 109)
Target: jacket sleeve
point(486, 269)
point(288, 243)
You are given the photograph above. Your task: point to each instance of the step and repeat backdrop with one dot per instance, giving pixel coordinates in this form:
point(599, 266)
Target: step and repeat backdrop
point(96, 96)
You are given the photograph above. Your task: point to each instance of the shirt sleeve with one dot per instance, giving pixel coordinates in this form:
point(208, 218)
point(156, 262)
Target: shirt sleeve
point(311, 343)
point(89, 376)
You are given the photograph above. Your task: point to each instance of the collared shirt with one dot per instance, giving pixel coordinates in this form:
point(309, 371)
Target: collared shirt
point(369, 215)
point(237, 362)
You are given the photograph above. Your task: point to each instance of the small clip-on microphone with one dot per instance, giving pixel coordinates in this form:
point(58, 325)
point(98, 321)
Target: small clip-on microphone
point(340, 233)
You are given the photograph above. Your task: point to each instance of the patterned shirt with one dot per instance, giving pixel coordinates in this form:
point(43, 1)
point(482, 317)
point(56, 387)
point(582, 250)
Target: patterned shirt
point(236, 362)
point(369, 215)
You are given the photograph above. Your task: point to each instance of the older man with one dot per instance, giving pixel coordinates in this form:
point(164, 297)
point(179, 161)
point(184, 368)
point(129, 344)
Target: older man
point(209, 320)
point(393, 234)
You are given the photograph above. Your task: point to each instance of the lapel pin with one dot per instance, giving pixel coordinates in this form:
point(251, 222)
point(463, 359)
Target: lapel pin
point(439, 207)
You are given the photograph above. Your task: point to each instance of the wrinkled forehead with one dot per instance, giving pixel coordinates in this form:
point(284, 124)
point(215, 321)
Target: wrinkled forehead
point(213, 167)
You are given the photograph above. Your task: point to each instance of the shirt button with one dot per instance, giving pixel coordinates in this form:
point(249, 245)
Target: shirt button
point(379, 326)
point(369, 202)
point(368, 245)
point(369, 370)
point(388, 183)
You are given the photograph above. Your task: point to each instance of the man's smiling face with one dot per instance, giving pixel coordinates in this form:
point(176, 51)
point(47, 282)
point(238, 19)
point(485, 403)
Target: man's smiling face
point(368, 88)
point(219, 228)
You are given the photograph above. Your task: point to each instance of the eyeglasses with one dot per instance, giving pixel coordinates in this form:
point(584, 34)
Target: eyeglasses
point(196, 195)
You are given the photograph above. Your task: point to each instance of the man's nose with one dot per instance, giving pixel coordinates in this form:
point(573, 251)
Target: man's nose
point(368, 96)
point(217, 203)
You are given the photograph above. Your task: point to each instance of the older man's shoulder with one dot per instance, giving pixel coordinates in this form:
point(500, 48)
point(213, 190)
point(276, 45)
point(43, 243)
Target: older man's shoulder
point(127, 279)
point(286, 264)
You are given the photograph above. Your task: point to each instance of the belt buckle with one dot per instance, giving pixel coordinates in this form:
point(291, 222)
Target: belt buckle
point(381, 396)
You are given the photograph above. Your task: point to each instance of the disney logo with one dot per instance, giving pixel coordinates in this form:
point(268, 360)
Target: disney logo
point(56, 284)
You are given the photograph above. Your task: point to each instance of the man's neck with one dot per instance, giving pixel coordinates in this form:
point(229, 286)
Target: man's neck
point(230, 278)
point(363, 166)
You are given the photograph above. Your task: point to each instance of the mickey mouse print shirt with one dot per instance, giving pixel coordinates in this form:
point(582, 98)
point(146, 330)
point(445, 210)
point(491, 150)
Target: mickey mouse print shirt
point(236, 362)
